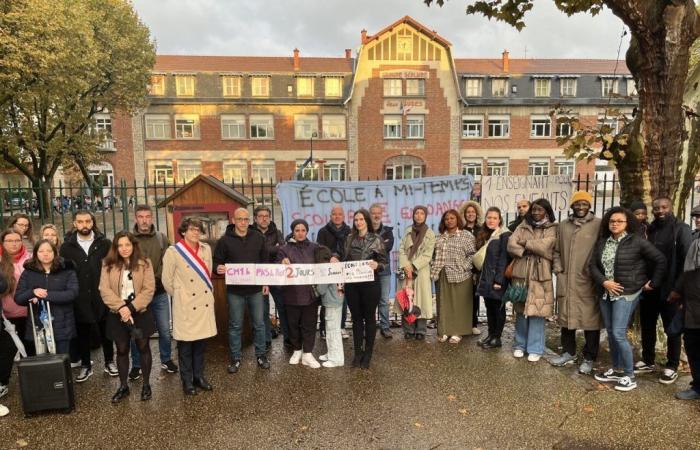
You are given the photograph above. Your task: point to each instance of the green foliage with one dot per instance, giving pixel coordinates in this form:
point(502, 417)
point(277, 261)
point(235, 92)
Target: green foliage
point(62, 62)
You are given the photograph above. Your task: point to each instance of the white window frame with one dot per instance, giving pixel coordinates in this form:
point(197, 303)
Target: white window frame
point(334, 170)
point(182, 122)
point(103, 127)
point(305, 125)
point(415, 170)
point(263, 170)
point(333, 87)
point(418, 88)
point(472, 126)
point(607, 84)
point(187, 170)
point(185, 85)
point(158, 126)
point(260, 122)
point(538, 166)
point(231, 85)
point(415, 126)
point(312, 172)
point(497, 167)
point(632, 88)
point(161, 171)
point(568, 87)
point(473, 167)
point(233, 126)
point(235, 172)
point(157, 89)
point(305, 86)
point(392, 126)
point(543, 87)
point(392, 87)
point(499, 121)
point(564, 167)
point(473, 87)
point(333, 126)
point(612, 121)
point(496, 84)
point(260, 86)
point(540, 126)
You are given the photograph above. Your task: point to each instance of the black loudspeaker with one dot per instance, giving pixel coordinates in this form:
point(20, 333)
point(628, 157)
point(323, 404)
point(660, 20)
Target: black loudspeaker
point(46, 383)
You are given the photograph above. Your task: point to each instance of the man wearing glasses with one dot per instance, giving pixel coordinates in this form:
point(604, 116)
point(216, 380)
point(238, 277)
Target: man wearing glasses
point(240, 245)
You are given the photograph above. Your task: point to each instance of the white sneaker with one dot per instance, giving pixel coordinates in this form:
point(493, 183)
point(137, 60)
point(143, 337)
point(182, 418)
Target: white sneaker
point(4, 411)
point(344, 334)
point(533, 357)
point(111, 369)
point(331, 364)
point(476, 331)
point(296, 357)
point(323, 357)
point(308, 360)
point(518, 353)
point(3, 390)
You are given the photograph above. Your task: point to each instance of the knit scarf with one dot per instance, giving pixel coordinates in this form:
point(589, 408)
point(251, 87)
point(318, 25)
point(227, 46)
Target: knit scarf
point(418, 232)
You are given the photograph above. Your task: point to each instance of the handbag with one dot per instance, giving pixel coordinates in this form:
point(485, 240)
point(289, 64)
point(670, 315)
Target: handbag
point(508, 273)
point(515, 293)
point(479, 257)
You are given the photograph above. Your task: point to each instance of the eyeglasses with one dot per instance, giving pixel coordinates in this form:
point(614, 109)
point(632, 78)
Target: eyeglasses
point(196, 230)
point(22, 225)
point(12, 241)
point(242, 219)
point(617, 222)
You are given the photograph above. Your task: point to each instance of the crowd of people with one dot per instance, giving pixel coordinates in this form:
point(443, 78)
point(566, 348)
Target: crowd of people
point(586, 272)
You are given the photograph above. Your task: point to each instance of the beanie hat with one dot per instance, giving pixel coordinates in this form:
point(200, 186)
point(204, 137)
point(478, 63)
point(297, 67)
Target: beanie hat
point(695, 211)
point(637, 205)
point(300, 221)
point(581, 195)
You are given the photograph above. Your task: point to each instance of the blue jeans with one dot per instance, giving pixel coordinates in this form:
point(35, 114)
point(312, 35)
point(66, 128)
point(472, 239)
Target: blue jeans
point(236, 310)
point(385, 282)
point(529, 334)
point(160, 308)
point(277, 297)
point(616, 317)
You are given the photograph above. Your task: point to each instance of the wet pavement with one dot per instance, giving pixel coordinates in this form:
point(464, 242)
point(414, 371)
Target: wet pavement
point(421, 395)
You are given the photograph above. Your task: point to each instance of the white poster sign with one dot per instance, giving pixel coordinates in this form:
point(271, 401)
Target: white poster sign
point(505, 191)
point(298, 274)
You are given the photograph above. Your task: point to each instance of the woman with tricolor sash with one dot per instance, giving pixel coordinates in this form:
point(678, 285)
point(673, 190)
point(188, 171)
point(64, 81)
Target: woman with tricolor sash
point(187, 278)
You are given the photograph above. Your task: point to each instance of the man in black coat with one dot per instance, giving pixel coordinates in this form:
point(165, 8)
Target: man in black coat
point(386, 234)
point(523, 206)
point(671, 237)
point(87, 247)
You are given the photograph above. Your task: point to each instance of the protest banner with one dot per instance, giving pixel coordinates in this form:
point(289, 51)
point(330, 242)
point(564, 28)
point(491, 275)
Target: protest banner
point(298, 274)
point(505, 191)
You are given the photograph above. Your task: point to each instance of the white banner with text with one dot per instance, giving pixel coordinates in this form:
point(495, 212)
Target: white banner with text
point(296, 274)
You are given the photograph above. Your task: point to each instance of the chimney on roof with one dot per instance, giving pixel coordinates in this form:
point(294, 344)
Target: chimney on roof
point(296, 59)
point(506, 61)
point(348, 53)
point(363, 35)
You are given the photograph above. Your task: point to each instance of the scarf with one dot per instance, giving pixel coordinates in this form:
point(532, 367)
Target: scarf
point(692, 259)
point(18, 257)
point(418, 232)
point(340, 235)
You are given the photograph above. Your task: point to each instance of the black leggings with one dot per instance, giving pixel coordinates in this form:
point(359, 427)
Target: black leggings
point(363, 299)
point(8, 350)
point(123, 347)
point(496, 316)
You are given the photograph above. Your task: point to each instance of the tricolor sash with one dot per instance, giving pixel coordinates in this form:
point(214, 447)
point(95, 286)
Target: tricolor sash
point(195, 261)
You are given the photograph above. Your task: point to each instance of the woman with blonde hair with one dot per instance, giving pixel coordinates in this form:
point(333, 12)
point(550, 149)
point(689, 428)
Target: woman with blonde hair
point(49, 232)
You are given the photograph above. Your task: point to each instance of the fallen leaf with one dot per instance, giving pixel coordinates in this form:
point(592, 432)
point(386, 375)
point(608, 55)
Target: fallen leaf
point(464, 412)
point(451, 397)
point(588, 409)
point(22, 443)
point(418, 425)
point(304, 428)
point(557, 404)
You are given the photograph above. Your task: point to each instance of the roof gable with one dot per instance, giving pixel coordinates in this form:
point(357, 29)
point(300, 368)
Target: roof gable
point(213, 182)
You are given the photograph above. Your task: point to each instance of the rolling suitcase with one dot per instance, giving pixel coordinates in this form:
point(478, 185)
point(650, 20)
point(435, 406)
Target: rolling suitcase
point(45, 380)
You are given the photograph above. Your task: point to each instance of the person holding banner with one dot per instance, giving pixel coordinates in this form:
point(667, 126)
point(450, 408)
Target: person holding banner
point(187, 278)
point(532, 248)
point(300, 301)
point(452, 270)
point(415, 254)
point(363, 244)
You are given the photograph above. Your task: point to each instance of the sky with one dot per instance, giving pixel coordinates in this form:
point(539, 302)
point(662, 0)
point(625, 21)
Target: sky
point(327, 27)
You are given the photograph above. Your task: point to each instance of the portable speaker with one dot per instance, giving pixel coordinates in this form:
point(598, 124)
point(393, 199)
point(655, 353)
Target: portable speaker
point(46, 383)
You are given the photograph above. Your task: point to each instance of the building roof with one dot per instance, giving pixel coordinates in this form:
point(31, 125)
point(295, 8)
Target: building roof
point(192, 63)
point(215, 183)
point(537, 66)
point(415, 24)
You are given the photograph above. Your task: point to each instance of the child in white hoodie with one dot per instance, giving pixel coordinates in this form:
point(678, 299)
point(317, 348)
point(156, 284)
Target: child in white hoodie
point(332, 298)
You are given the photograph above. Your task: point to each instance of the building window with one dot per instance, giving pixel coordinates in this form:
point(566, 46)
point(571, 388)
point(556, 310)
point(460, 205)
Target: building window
point(499, 87)
point(392, 127)
point(161, 172)
point(609, 86)
point(472, 167)
point(564, 167)
point(540, 126)
point(392, 87)
point(499, 126)
point(472, 126)
point(262, 127)
point(231, 86)
point(157, 86)
point(232, 126)
point(405, 48)
point(184, 85)
point(564, 129)
point(611, 123)
point(415, 87)
point(187, 170)
point(334, 171)
point(305, 87)
point(631, 88)
point(568, 87)
point(473, 87)
point(333, 126)
point(157, 126)
point(310, 173)
point(403, 171)
point(263, 171)
point(497, 167)
point(542, 87)
point(538, 167)
point(334, 87)
point(187, 127)
point(415, 127)
point(260, 86)
point(103, 128)
point(235, 172)
point(305, 126)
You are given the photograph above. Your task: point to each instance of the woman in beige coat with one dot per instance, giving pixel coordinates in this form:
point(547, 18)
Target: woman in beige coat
point(532, 247)
point(187, 278)
point(415, 254)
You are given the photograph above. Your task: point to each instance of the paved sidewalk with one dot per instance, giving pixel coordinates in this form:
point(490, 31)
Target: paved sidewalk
point(421, 395)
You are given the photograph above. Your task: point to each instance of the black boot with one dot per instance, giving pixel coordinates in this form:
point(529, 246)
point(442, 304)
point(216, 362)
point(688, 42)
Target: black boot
point(366, 358)
point(493, 343)
point(357, 360)
point(189, 389)
point(203, 384)
point(146, 392)
point(121, 394)
point(483, 341)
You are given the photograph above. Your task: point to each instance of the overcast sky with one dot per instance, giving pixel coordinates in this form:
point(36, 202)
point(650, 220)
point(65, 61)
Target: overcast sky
point(327, 27)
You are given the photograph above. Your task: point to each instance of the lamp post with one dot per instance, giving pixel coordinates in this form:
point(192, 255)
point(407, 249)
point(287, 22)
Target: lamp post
point(309, 160)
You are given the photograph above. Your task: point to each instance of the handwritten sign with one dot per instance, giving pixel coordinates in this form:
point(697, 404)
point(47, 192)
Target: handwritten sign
point(505, 191)
point(299, 274)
